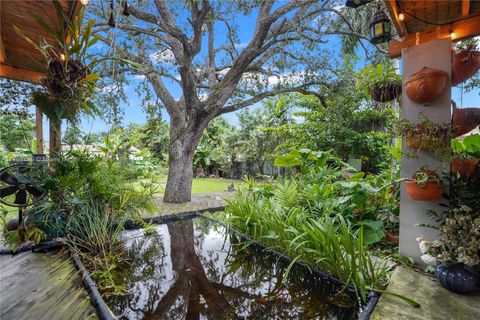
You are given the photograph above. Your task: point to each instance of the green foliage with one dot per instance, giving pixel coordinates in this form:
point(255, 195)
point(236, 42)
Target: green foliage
point(424, 175)
point(327, 243)
point(16, 131)
point(469, 148)
point(325, 215)
point(341, 119)
point(378, 75)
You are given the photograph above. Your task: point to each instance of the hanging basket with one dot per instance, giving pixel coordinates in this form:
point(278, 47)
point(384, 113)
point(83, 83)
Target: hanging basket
point(464, 65)
point(465, 120)
point(426, 85)
point(386, 92)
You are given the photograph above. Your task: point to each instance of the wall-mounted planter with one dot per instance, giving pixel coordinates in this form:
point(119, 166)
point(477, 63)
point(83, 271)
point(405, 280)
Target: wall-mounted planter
point(466, 167)
point(429, 192)
point(465, 119)
point(387, 92)
point(426, 85)
point(464, 65)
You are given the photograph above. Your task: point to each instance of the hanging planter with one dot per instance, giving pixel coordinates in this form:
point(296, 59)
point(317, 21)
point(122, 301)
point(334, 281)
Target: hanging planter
point(386, 92)
point(426, 85)
point(465, 119)
point(425, 186)
point(456, 278)
point(381, 82)
point(464, 65)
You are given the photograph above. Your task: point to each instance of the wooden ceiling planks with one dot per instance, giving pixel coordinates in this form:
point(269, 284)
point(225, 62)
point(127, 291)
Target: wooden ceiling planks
point(427, 20)
point(20, 60)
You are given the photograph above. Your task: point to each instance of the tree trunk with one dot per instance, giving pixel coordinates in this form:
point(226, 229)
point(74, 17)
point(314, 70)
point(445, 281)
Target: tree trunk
point(180, 169)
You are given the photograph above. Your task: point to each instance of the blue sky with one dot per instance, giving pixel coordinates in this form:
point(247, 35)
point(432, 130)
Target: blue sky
point(133, 111)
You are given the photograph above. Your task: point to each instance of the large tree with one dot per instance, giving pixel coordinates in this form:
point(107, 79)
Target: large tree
point(196, 46)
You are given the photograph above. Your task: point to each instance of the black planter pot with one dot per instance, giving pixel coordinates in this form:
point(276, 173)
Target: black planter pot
point(457, 279)
point(387, 92)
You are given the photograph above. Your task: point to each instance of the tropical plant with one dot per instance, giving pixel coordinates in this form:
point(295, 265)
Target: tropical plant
point(381, 82)
point(423, 175)
point(468, 148)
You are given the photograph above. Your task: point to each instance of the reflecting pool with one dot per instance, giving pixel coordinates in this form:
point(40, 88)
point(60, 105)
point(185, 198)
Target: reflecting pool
point(196, 269)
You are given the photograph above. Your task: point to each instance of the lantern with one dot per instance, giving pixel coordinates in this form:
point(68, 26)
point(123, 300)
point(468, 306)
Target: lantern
point(380, 27)
point(356, 3)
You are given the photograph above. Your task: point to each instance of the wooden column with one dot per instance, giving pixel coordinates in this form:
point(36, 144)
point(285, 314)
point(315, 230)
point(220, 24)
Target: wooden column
point(55, 141)
point(437, 55)
point(39, 130)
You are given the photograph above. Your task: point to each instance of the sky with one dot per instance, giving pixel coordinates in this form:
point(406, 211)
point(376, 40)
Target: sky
point(133, 111)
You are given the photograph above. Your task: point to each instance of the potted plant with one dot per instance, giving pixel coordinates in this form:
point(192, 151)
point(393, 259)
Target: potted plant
point(426, 135)
point(425, 185)
point(381, 82)
point(455, 254)
point(466, 155)
point(465, 61)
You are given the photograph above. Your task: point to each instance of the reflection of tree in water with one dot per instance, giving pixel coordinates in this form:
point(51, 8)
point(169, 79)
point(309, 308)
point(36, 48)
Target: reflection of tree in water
point(201, 275)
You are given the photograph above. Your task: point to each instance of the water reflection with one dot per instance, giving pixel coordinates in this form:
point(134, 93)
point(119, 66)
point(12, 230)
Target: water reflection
point(193, 269)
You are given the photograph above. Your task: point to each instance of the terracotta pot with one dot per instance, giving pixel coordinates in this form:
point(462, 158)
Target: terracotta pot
point(426, 85)
point(466, 167)
point(465, 120)
point(392, 238)
point(387, 92)
point(431, 191)
point(464, 65)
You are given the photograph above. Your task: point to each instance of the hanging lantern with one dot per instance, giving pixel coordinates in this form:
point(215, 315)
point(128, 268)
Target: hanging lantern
point(380, 27)
point(126, 9)
point(111, 20)
point(356, 3)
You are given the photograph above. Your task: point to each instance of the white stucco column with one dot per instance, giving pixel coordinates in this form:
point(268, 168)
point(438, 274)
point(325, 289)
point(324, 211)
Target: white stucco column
point(436, 55)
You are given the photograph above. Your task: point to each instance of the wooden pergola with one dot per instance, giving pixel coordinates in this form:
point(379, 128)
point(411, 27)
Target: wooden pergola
point(18, 59)
point(422, 21)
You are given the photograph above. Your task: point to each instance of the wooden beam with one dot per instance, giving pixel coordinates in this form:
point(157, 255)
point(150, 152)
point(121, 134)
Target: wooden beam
point(394, 13)
point(3, 57)
point(39, 130)
point(10, 72)
point(463, 29)
point(465, 7)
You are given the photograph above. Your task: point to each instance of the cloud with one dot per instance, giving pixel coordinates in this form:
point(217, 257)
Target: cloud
point(165, 56)
point(139, 76)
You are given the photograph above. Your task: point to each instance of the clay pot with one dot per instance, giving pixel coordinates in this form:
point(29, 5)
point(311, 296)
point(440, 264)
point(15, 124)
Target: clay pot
point(431, 191)
point(392, 238)
point(426, 85)
point(387, 92)
point(465, 120)
point(466, 167)
point(464, 65)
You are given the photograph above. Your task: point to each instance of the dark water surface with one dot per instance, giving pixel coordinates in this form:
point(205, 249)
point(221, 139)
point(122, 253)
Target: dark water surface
point(195, 269)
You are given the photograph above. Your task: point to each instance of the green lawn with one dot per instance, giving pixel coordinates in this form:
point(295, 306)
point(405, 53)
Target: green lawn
point(204, 185)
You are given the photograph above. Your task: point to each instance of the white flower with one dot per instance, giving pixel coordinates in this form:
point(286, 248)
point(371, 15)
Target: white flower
point(424, 246)
point(428, 259)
